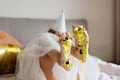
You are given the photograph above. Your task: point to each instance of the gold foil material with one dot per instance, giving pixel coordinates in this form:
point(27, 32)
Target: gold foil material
point(8, 56)
point(66, 47)
point(67, 63)
point(81, 35)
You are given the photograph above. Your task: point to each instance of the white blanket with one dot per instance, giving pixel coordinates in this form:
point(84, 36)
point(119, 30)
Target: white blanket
point(7, 77)
point(108, 71)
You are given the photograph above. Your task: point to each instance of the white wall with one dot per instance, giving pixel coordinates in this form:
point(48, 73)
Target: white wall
point(98, 13)
point(101, 27)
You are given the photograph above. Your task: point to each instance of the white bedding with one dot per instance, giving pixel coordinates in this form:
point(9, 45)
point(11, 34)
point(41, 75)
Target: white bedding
point(108, 71)
point(8, 77)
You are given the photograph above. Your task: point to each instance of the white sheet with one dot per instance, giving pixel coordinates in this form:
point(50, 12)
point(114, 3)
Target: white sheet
point(108, 71)
point(7, 77)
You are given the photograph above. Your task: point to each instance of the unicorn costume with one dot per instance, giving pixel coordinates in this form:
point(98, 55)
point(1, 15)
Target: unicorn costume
point(28, 67)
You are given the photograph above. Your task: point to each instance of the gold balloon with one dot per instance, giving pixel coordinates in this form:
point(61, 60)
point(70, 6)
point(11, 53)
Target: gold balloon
point(8, 56)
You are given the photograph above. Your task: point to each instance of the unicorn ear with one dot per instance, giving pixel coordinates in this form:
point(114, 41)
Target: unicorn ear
point(60, 24)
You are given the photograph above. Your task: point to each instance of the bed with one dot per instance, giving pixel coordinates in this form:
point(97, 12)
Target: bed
point(7, 77)
point(108, 71)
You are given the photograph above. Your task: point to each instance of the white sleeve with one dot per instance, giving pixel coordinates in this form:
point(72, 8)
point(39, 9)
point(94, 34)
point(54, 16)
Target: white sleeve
point(41, 45)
